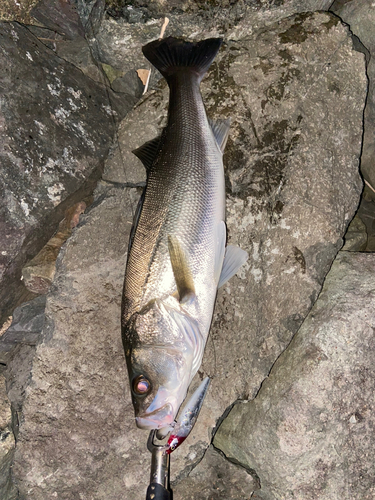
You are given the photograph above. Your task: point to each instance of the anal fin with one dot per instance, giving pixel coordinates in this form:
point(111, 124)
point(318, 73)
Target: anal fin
point(234, 258)
point(220, 129)
point(220, 242)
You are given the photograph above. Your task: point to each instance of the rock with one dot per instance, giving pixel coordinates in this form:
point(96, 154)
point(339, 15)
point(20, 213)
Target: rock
point(79, 397)
point(119, 37)
point(38, 273)
point(215, 478)
point(17, 11)
point(59, 16)
point(17, 350)
point(146, 119)
point(91, 13)
point(225, 14)
point(25, 329)
point(76, 51)
point(56, 130)
point(7, 443)
point(295, 92)
point(355, 236)
point(360, 15)
point(308, 433)
point(366, 212)
point(361, 18)
point(17, 373)
point(128, 83)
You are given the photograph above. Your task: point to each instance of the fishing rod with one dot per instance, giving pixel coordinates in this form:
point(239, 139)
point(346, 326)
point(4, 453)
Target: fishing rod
point(159, 487)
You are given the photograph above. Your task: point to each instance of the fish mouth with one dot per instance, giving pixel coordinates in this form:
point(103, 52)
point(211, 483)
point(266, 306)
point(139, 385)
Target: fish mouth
point(157, 419)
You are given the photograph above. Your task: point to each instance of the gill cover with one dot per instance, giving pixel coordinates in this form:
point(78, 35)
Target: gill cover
point(160, 369)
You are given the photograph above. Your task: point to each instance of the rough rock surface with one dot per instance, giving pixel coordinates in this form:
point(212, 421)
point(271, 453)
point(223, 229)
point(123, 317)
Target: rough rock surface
point(360, 15)
point(78, 397)
point(355, 236)
point(308, 433)
point(39, 271)
point(7, 443)
point(76, 51)
point(17, 11)
point(56, 128)
point(366, 212)
point(118, 41)
point(214, 478)
point(295, 93)
point(26, 327)
point(61, 17)
point(17, 350)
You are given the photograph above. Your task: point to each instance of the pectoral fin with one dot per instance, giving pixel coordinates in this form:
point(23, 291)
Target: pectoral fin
point(234, 258)
point(181, 270)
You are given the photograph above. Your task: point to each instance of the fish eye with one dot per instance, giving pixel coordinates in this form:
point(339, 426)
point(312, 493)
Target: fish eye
point(141, 385)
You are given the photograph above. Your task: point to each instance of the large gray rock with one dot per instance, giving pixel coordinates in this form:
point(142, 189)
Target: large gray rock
point(295, 93)
point(309, 432)
point(56, 130)
point(360, 15)
point(78, 398)
point(117, 39)
point(282, 175)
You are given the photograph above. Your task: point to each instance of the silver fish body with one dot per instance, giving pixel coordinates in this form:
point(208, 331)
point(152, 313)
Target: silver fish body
point(177, 248)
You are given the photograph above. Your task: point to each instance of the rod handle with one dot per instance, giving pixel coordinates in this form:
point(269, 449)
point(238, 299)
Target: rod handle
point(156, 491)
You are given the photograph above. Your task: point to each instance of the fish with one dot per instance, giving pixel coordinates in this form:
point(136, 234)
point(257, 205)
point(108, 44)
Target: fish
point(178, 255)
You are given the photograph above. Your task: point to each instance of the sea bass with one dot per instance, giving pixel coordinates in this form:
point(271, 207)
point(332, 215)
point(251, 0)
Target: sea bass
point(177, 255)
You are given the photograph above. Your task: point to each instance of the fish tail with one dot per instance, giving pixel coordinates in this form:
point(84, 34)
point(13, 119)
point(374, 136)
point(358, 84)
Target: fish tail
point(172, 55)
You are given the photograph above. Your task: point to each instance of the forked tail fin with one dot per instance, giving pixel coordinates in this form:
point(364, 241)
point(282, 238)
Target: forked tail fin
point(171, 55)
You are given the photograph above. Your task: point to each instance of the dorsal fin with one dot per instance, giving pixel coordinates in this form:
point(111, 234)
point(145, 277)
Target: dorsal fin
point(181, 270)
point(220, 129)
point(148, 152)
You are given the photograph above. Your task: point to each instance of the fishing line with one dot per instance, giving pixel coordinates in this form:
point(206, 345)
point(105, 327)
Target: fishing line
point(107, 84)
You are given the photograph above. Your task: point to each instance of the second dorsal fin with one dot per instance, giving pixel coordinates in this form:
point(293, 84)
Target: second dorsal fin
point(148, 152)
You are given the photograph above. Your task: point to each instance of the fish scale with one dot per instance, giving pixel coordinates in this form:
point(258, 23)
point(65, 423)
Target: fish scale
point(177, 245)
point(184, 190)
